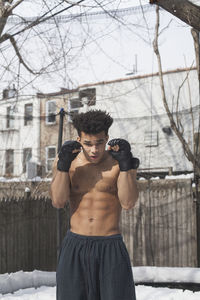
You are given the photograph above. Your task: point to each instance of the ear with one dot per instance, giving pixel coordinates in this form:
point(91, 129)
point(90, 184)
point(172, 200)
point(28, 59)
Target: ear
point(107, 137)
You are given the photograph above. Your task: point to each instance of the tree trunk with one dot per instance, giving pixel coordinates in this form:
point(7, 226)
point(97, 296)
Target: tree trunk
point(185, 10)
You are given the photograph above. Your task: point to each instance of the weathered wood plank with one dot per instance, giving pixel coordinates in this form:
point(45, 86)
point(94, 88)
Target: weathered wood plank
point(160, 230)
point(164, 226)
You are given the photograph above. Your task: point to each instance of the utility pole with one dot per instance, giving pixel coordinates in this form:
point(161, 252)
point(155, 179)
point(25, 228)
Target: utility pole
point(59, 220)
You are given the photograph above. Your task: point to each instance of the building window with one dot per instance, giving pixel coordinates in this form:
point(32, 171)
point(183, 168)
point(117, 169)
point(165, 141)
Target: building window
point(10, 117)
point(74, 106)
point(28, 114)
point(9, 92)
point(27, 155)
point(9, 162)
point(50, 112)
point(50, 156)
point(89, 95)
point(151, 138)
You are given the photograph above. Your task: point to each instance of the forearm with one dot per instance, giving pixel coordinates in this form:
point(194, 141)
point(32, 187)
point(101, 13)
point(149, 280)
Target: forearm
point(60, 189)
point(127, 188)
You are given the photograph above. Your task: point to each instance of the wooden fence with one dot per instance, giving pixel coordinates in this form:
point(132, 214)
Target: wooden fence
point(159, 231)
point(28, 234)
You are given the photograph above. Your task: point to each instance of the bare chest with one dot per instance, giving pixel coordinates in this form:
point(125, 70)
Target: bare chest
point(85, 179)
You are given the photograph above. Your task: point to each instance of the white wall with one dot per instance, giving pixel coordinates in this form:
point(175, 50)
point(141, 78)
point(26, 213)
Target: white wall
point(20, 136)
point(136, 106)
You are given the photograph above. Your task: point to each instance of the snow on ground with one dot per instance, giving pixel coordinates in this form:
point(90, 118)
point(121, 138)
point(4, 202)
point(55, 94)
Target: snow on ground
point(142, 293)
point(159, 274)
point(45, 283)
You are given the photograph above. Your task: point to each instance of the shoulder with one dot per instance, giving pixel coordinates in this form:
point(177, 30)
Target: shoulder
point(78, 161)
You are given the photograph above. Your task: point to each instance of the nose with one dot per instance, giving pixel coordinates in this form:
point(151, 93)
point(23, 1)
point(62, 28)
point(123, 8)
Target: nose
point(94, 149)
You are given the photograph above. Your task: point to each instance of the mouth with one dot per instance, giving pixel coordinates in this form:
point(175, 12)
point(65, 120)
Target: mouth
point(94, 157)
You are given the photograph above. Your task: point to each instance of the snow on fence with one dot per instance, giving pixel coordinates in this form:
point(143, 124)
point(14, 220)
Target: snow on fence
point(159, 231)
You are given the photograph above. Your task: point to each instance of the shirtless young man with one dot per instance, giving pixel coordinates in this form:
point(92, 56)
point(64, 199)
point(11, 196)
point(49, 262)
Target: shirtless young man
point(94, 263)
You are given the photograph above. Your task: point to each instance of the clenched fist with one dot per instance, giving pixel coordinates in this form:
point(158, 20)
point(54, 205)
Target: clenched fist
point(120, 150)
point(67, 154)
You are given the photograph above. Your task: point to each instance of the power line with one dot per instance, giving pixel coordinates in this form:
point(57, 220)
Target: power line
point(82, 16)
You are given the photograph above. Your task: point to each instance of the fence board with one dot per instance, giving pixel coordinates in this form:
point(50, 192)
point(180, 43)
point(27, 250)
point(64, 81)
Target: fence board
point(163, 232)
point(159, 231)
point(28, 234)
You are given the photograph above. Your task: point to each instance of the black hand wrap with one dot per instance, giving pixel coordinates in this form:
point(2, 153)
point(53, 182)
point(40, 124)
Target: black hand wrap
point(66, 156)
point(123, 155)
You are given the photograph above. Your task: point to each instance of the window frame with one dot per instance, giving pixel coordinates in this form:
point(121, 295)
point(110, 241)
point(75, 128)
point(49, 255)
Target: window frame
point(47, 112)
point(73, 109)
point(28, 118)
point(26, 160)
point(89, 94)
point(7, 171)
point(151, 138)
point(49, 159)
point(9, 117)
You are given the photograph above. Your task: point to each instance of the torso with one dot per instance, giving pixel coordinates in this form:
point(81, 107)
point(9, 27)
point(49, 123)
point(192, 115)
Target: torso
point(94, 204)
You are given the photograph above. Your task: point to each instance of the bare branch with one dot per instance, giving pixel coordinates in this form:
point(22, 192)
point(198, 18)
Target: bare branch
point(190, 156)
point(10, 9)
point(178, 117)
point(13, 42)
point(40, 19)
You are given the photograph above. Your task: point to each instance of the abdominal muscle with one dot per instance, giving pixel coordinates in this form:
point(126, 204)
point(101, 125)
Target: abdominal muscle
point(95, 214)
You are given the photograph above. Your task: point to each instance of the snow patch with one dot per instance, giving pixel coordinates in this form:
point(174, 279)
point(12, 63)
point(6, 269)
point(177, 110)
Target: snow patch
point(159, 274)
point(12, 282)
point(18, 179)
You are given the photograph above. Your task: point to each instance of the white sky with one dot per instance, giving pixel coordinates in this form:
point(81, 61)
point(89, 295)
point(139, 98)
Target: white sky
point(111, 47)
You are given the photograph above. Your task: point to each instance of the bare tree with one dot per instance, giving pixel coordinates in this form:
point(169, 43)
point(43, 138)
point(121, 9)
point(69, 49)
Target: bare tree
point(185, 10)
point(192, 153)
point(176, 124)
point(34, 45)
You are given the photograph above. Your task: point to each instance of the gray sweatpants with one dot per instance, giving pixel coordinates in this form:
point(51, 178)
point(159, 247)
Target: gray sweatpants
point(94, 268)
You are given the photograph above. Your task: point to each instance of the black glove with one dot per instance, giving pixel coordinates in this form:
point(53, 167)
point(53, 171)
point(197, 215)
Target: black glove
point(66, 156)
point(123, 154)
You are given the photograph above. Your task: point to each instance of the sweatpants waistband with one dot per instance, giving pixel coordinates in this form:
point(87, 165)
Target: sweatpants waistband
point(92, 237)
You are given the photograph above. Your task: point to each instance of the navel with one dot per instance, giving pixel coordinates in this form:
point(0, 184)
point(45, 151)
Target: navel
point(91, 219)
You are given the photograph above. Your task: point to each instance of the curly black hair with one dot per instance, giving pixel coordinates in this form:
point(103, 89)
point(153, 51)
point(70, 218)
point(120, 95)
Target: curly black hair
point(92, 122)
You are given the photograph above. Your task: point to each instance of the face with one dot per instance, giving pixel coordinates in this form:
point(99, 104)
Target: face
point(93, 145)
